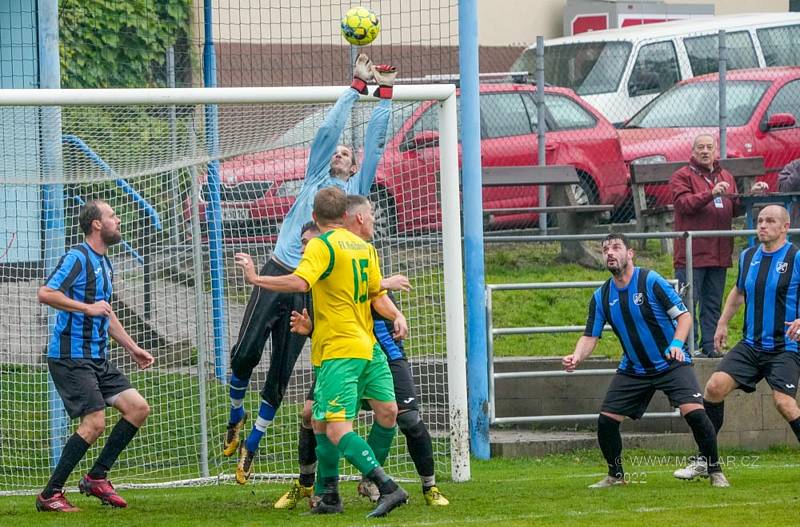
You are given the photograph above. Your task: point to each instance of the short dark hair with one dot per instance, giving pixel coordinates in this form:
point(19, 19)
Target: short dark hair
point(90, 211)
point(308, 226)
point(330, 204)
point(617, 236)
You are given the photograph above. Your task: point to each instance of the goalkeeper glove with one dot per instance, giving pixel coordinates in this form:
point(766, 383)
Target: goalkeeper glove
point(362, 74)
point(384, 75)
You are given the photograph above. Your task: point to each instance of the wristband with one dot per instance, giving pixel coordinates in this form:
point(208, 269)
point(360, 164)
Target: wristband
point(359, 85)
point(383, 92)
point(676, 343)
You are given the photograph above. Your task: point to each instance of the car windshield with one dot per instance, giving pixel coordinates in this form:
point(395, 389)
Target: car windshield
point(588, 68)
point(302, 133)
point(697, 105)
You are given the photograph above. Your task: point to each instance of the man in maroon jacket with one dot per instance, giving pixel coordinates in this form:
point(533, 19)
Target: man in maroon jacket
point(701, 197)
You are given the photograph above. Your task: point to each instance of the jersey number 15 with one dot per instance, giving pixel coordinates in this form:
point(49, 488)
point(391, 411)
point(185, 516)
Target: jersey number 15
point(360, 280)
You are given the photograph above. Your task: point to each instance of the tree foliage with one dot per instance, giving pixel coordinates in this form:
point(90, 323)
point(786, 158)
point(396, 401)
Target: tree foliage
point(122, 43)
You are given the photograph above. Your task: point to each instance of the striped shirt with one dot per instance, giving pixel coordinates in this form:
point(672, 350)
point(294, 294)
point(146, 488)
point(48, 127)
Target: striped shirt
point(642, 316)
point(85, 276)
point(769, 282)
point(383, 329)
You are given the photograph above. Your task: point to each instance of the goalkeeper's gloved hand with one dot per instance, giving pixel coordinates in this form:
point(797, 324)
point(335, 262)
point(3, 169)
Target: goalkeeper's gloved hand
point(384, 75)
point(362, 73)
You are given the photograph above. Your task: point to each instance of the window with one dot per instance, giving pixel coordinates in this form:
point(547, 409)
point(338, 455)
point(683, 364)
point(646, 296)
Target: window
point(504, 115)
point(704, 52)
point(567, 114)
point(655, 69)
point(779, 45)
point(587, 67)
point(787, 100)
point(697, 105)
point(529, 99)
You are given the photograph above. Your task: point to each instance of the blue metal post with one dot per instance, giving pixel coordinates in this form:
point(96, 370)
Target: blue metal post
point(213, 208)
point(52, 194)
point(477, 358)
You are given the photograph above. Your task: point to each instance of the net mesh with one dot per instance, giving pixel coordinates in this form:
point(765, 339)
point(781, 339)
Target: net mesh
point(147, 162)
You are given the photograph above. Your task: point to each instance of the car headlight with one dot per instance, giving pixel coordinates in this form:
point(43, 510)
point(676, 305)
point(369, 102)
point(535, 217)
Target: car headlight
point(289, 188)
point(649, 160)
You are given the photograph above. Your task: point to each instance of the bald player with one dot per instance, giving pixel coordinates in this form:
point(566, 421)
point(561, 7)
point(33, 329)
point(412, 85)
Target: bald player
point(768, 286)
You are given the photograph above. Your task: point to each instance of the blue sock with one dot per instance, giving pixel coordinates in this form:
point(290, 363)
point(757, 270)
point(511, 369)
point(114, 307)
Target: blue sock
point(266, 413)
point(238, 389)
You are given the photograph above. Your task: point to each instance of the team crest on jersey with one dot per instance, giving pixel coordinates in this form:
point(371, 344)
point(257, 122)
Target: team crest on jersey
point(638, 298)
point(782, 267)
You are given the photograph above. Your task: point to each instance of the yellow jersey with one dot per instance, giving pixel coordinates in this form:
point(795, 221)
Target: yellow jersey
point(343, 273)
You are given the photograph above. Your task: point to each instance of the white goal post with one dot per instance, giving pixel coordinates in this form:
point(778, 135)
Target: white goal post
point(179, 303)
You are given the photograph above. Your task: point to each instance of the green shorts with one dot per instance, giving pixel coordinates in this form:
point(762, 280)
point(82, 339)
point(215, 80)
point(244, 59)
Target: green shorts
point(342, 383)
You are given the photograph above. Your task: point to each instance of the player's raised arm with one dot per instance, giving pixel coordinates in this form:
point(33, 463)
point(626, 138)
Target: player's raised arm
point(327, 138)
point(289, 283)
point(375, 137)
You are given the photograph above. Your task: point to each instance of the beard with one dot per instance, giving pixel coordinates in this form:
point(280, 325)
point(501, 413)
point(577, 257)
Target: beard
point(110, 237)
point(618, 269)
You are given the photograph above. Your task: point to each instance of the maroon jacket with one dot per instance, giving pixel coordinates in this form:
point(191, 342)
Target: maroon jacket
point(695, 211)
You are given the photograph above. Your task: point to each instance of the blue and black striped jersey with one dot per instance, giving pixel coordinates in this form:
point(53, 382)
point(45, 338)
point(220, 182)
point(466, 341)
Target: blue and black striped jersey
point(642, 316)
point(769, 281)
point(383, 329)
point(85, 276)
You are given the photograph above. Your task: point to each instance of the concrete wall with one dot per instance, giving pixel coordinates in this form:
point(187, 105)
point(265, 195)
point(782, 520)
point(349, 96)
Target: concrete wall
point(751, 420)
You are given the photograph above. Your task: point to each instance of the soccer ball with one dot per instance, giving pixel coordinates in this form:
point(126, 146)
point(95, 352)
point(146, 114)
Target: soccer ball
point(360, 26)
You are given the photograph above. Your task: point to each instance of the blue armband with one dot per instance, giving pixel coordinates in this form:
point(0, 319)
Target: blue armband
point(676, 343)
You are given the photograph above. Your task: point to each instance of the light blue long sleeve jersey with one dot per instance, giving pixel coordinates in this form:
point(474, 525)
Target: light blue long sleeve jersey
point(288, 248)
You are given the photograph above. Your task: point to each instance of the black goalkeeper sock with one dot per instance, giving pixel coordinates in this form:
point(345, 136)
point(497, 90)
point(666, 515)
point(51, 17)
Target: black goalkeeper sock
point(610, 444)
point(796, 427)
point(705, 437)
point(307, 454)
point(71, 455)
point(118, 439)
point(716, 413)
point(418, 440)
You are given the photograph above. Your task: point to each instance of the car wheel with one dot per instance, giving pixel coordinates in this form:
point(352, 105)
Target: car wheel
point(385, 213)
point(585, 192)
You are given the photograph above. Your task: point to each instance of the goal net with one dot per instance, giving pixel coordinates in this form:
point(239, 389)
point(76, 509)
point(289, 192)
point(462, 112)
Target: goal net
point(196, 175)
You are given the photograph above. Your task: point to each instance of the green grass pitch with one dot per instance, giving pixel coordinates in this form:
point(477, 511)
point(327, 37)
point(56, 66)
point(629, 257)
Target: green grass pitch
point(542, 492)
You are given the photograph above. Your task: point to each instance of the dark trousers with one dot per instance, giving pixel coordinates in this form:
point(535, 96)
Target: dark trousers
point(267, 314)
point(708, 289)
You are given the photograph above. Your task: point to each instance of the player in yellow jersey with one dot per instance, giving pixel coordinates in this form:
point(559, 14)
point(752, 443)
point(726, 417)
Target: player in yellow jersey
point(343, 273)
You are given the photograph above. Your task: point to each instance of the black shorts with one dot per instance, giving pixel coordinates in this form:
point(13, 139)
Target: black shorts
point(629, 395)
point(404, 388)
point(405, 391)
point(86, 385)
point(747, 366)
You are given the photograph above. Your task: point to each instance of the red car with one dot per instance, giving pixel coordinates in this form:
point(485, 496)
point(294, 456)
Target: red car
point(258, 189)
point(762, 109)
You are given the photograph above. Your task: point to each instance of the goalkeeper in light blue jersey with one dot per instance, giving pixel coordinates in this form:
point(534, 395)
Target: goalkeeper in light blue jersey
point(330, 164)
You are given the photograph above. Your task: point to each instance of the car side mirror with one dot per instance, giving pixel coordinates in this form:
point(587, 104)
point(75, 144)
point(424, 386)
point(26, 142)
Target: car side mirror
point(425, 139)
point(780, 120)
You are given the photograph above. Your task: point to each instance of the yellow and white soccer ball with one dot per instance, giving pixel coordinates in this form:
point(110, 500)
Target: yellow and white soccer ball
point(360, 26)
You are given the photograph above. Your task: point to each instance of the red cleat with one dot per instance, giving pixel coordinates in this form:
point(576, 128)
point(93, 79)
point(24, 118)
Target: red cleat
point(55, 503)
point(103, 490)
